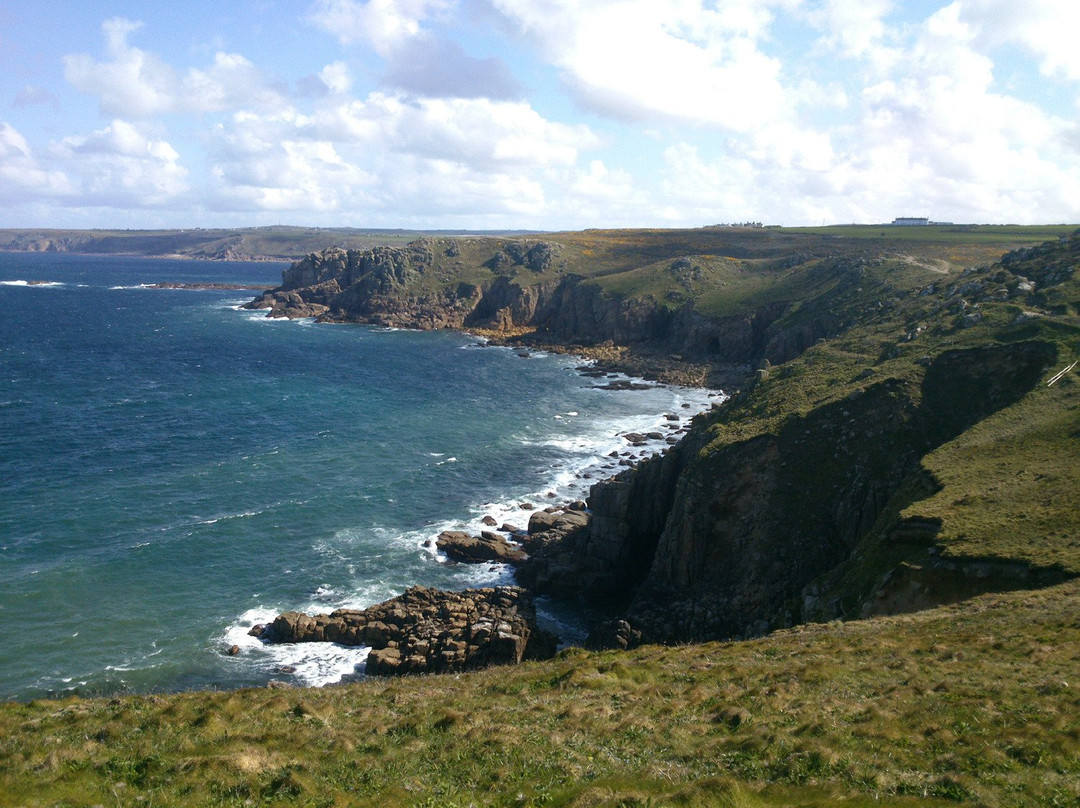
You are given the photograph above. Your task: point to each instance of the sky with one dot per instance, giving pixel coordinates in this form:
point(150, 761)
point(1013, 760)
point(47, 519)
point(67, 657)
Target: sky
point(537, 114)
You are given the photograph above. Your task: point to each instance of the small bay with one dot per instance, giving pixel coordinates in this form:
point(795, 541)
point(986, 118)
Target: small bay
point(174, 469)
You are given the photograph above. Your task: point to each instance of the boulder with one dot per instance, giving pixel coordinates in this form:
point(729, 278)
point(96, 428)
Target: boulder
point(486, 547)
point(430, 631)
point(613, 634)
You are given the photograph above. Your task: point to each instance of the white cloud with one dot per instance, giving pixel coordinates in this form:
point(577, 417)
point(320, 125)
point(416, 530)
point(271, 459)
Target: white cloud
point(386, 153)
point(474, 131)
point(417, 60)
point(641, 60)
point(855, 28)
point(725, 110)
point(21, 176)
point(336, 77)
point(121, 166)
point(1047, 28)
point(232, 82)
point(427, 187)
point(133, 83)
point(382, 24)
point(604, 184)
point(973, 149)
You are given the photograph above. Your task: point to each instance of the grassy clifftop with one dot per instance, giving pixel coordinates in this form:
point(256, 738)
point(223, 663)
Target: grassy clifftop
point(916, 454)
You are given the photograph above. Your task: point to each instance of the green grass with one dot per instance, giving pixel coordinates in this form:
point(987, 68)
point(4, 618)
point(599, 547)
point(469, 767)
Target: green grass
point(973, 704)
point(1010, 483)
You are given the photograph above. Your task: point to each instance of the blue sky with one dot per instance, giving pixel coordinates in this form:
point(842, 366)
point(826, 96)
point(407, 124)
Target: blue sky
point(539, 114)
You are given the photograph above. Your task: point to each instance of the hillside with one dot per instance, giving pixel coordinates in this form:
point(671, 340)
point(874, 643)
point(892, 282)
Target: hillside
point(855, 582)
point(895, 443)
point(275, 243)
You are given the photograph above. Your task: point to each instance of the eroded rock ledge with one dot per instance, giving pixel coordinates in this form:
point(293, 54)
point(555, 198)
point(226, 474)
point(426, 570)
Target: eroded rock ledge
point(429, 630)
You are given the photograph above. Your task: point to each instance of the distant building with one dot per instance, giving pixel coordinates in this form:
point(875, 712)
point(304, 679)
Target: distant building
point(904, 221)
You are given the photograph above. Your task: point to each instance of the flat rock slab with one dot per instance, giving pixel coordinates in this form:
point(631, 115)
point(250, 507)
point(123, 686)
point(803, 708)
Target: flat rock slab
point(429, 630)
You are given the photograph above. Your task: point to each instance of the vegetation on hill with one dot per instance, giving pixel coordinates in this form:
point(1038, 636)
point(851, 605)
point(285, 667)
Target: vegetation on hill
point(274, 243)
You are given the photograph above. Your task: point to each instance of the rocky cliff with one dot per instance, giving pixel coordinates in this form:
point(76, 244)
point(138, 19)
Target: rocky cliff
point(779, 509)
point(799, 499)
point(524, 290)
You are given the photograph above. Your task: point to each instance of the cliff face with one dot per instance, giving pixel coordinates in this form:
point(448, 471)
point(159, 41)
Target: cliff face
point(754, 523)
point(788, 503)
point(516, 289)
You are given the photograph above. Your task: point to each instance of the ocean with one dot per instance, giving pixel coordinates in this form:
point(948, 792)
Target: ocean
point(174, 470)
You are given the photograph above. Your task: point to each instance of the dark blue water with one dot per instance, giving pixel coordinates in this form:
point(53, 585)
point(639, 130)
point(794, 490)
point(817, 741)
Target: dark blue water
point(173, 469)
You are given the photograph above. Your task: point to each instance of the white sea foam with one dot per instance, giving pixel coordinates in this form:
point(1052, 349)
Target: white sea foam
point(309, 664)
point(580, 459)
point(33, 284)
point(228, 516)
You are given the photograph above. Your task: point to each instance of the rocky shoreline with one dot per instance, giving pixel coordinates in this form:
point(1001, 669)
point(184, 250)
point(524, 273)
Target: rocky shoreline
point(787, 508)
point(209, 286)
point(598, 553)
point(427, 630)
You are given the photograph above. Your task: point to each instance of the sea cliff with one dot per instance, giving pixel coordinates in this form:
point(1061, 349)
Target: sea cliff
point(863, 370)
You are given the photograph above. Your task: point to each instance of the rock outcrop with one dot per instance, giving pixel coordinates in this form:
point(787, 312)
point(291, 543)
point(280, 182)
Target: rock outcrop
point(488, 546)
point(429, 631)
point(722, 544)
point(413, 287)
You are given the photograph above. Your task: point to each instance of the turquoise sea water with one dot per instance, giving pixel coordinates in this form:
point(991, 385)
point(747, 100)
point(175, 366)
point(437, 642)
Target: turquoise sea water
point(173, 470)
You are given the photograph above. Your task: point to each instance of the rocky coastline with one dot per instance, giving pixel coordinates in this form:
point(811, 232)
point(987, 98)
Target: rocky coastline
point(793, 502)
point(427, 630)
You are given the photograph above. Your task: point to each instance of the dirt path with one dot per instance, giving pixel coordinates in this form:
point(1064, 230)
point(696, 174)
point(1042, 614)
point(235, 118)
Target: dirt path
point(933, 264)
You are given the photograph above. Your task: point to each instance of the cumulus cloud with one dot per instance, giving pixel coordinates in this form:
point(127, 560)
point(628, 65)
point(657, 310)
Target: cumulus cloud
point(233, 82)
point(1047, 28)
point(382, 151)
point(382, 24)
point(21, 175)
point(855, 28)
point(417, 61)
point(478, 131)
point(334, 79)
point(799, 111)
point(975, 151)
point(133, 83)
point(641, 60)
point(122, 166)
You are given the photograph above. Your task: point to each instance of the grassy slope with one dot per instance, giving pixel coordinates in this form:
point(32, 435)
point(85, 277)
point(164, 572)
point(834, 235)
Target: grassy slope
point(1011, 484)
point(976, 703)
